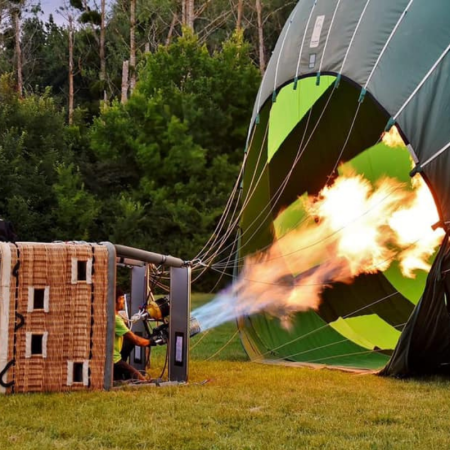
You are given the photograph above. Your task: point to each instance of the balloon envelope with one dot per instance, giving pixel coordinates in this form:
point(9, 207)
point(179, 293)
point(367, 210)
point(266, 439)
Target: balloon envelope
point(342, 72)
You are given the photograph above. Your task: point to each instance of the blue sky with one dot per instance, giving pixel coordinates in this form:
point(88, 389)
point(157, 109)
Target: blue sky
point(49, 7)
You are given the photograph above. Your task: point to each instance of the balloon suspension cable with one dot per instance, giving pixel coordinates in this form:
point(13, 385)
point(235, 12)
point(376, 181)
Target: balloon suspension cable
point(224, 346)
point(378, 59)
point(323, 327)
point(236, 188)
point(329, 177)
point(218, 265)
point(235, 221)
point(283, 185)
point(283, 358)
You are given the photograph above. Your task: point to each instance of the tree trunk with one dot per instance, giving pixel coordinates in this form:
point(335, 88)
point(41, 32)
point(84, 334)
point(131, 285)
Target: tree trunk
point(240, 8)
point(18, 51)
point(124, 82)
point(188, 13)
point(70, 70)
point(172, 27)
point(183, 12)
point(262, 59)
point(132, 45)
point(102, 48)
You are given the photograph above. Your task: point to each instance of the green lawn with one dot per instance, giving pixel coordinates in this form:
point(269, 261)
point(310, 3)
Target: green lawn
point(241, 406)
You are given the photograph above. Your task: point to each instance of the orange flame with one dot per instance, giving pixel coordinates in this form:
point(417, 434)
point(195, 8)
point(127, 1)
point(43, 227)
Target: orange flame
point(412, 228)
point(392, 138)
point(349, 228)
point(352, 228)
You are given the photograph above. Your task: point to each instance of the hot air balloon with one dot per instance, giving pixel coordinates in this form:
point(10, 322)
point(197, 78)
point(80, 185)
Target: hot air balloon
point(343, 73)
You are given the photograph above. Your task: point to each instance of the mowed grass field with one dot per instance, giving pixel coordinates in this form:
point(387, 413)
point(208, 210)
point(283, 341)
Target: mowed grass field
point(231, 403)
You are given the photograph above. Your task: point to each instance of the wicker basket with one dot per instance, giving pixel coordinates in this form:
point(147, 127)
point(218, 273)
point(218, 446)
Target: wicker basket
point(56, 316)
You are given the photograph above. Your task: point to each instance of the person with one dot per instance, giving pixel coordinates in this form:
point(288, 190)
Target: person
point(7, 232)
point(123, 370)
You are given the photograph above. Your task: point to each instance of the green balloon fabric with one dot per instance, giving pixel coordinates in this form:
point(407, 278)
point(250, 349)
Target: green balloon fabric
point(343, 72)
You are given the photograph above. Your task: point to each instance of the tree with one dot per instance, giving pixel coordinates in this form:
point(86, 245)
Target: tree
point(262, 58)
point(132, 45)
point(84, 69)
point(15, 8)
point(154, 172)
point(32, 143)
point(76, 208)
point(177, 143)
point(71, 12)
point(240, 7)
point(125, 71)
point(188, 12)
point(102, 48)
point(71, 94)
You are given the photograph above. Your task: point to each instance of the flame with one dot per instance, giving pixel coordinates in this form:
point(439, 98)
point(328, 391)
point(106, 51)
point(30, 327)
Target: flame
point(351, 227)
point(392, 138)
point(357, 213)
point(411, 226)
point(412, 223)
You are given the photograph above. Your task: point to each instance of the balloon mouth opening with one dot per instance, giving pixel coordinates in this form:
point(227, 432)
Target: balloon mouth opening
point(311, 137)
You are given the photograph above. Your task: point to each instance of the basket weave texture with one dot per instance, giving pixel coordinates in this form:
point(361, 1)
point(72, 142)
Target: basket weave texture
point(75, 323)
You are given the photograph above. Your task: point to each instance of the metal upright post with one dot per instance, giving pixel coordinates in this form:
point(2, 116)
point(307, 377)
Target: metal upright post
point(138, 358)
point(180, 306)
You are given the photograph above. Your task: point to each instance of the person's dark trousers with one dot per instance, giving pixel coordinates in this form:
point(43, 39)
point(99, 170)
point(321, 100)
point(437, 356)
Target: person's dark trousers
point(123, 371)
point(127, 348)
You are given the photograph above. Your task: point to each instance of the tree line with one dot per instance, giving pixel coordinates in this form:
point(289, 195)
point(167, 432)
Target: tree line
point(128, 125)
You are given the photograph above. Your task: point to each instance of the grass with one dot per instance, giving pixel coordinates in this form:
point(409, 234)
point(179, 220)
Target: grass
point(242, 406)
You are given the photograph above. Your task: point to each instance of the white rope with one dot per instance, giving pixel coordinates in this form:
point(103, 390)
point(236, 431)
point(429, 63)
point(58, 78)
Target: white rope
point(250, 193)
point(200, 340)
point(229, 231)
point(324, 326)
point(323, 346)
point(303, 39)
point(220, 278)
point(425, 78)
point(245, 202)
point(222, 220)
point(214, 255)
point(232, 221)
point(224, 346)
point(328, 35)
point(219, 226)
point(387, 42)
point(282, 46)
point(431, 158)
point(301, 49)
point(334, 169)
point(280, 190)
point(340, 356)
point(218, 242)
point(354, 34)
point(346, 140)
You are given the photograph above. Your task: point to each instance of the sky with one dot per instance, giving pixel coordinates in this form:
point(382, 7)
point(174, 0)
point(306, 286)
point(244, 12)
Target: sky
point(50, 7)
